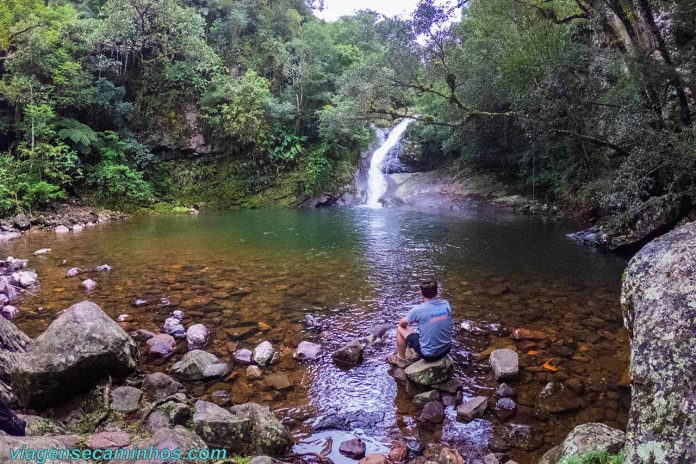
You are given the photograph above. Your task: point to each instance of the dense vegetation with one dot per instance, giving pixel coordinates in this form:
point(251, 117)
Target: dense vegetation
point(235, 102)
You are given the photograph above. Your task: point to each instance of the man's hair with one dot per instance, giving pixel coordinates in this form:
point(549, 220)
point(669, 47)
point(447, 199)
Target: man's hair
point(428, 288)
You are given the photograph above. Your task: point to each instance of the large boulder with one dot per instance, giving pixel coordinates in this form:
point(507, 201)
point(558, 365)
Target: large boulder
point(246, 429)
point(82, 346)
point(583, 439)
point(199, 365)
point(659, 303)
point(428, 373)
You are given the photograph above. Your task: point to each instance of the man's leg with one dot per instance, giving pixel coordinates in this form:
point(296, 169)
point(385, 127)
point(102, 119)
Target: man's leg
point(401, 334)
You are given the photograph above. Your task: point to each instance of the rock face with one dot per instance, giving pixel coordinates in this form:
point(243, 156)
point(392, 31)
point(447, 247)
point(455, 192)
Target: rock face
point(505, 364)
point(584, 439)
point(429, 372)
point(246, 429)
point(199, 365)
point(79, 348)
point(659, 303)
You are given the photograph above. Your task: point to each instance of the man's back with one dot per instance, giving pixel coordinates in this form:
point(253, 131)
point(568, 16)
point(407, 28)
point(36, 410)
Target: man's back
point(434, 319)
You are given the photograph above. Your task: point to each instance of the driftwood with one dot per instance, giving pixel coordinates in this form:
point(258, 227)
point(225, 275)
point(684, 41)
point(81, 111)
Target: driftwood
point(11, 338)
point(156, 405)
point(106, 398)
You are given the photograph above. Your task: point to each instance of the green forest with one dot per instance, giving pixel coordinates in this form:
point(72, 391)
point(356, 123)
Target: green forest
point(129, 103)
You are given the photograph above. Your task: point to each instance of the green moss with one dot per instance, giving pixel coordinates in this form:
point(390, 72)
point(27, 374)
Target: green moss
point(595, 457)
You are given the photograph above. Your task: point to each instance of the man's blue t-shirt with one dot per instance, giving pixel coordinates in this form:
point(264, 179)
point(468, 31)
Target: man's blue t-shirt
point(434, 319)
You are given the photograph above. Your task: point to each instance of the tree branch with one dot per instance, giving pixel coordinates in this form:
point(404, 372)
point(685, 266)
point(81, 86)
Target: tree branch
point(595, 140)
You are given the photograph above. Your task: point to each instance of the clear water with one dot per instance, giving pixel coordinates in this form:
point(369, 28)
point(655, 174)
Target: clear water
point(353, 268)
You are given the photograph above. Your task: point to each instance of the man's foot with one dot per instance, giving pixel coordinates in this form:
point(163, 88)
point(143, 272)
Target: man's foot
point(398, 361)
point(412, 355)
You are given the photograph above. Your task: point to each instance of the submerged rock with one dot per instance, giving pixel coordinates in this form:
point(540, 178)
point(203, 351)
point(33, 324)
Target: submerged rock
point(82, 346)
point(554, 398)
point(350, 355)
point(307, 350)
point(199, 365)
point(349, 420)
point(520, 436)
point(422, 398)
point(433, 413)
point(472, 409)
point(505, 364)
point(659, 303)
point(88, 284)
point(428, 373)
point(586, 438)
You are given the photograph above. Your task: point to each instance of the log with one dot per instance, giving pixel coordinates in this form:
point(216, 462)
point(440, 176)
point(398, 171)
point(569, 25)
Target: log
point(11, 338)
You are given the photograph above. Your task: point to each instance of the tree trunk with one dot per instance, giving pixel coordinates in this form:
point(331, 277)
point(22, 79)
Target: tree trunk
point(11, 338)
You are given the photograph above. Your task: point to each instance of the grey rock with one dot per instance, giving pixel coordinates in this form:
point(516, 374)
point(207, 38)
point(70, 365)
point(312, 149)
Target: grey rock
point(428, 373)
point(88, 284)
point(199, 365)
point(349, 355)
point(264, 353)
point(103, 268)
point(157, 420)
point(141, 335)
point(521, 436)
point(504, 391)
point(125, 399)
point(422, 398)
point(158, 386)
point(172, 326)
point(583, 439)
point(472, 409)
point(353, 448)
point(161, 345)
point(82, 346)
point(73, 271)
point(504, 408)
point(22, 222)
point(42, 251)
point(555, 398)
point(197, 336)
point(505, 364)
point(9, 312)
point(243, 356)
point(307, 350)
point(61, 230)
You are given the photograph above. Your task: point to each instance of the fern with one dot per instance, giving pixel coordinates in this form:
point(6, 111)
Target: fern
point(81, 135)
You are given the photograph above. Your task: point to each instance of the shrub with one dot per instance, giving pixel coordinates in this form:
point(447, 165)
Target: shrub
point(118, 184)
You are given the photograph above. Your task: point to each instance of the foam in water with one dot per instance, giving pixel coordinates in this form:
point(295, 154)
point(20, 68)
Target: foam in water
point(376, 182)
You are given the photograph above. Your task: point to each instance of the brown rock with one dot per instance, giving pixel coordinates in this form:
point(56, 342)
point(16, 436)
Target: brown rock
point(432, 413)
point(450, 456)
point(398, 452)
point(528, 334)
point(377, 458)
point(353, 448)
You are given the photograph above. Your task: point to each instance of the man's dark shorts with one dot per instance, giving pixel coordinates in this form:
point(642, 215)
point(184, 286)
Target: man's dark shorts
point(413, 341)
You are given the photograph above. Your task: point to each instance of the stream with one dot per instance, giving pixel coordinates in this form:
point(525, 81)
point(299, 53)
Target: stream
point(351, 268)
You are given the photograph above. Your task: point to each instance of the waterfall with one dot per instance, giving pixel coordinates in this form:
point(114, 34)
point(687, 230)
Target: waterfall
point(376, 181)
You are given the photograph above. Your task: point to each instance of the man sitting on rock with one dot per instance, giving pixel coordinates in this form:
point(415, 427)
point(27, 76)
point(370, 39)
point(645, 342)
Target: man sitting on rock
point(433, 340)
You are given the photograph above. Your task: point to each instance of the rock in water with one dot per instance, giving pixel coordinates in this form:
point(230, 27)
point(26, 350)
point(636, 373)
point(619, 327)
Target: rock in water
point(433, 413)
point(504, 363)
point(88, 284)
point(504, 408)
point(659, 304)
point(555, 397)
point(350, 355)
point(428, 373)
point(426, 397)
point(197, 336)
point(243, 356)
point(353, 448)
point(61, 230)
point(472, 409)
point(161, 345)
point(307, 350)
point(78, 349)
point(42, 251)
point(263, 353)
point(72, 272)
point(586, 438)
point(246, 429)
point(450, 456)
point(9, 312)
point(199, 365)
point(173, 327)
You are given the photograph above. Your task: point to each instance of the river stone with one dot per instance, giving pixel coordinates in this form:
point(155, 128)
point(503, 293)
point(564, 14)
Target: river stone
point(88, 284)
point(24, 279)
point(353, 448)
point(253, 373)
point(307, 350)
point(178, 314)
point(9, 312)
point(158, 386)
point(141, 335)
point(103, 268)
point(520, 436)
point(433, 413)
point(21, 221)
point(264, 353)
point(428, 373)
point(243, 356)
point(125, 399)
point(659, 303)
point(199, 365)
point(278, 382)
point(504, 408)
point(245, 429)
point(82, 346)
point(73, 271)
point(42, 251)
point(102, 440)
point(349, 355)
point(197, 336)
point(172, 326)
point(505, 364)
point(61, 230)
point(422, 398)
point(554, 398)
point(504, 391)
point(161, 345)
point(586, 438)
point(472, 409)
point(450, 456)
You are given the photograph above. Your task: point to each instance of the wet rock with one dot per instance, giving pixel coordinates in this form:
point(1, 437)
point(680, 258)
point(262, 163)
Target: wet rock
point(61, 230)
point(350, 355)
point(173, 327)
point(253, 373)
point(348, 421)
point(505, 364)
point(141, 335)
point(22, 222)
point(82, 346)
point(472, 409)
point(658, 299)
point(433, 413)
point(88, 284)
point(504, 391)
point(161, 345)
point(451, 386)
point(140, 302)
point(429, 372)
point(422, 398)
point(555, 398)
point(243, 356)
point(307, 350)
point(9, 312)
point(264, 353)
point(125, 399)
point(586, 438)
point(104, 440)
point(199, 365)
point(450, 456)
point(42, 251)
point(374, 458)
point(197, 336)
point(73, 271)
point(25, 279)
point(178, 314)
point(398, 452)
point(353, 448)
point(528, 334)
point(240, 333)
point(521, 436)
point(245, 429)
point(379, 330)
point(278, 382)
point(103, 268)
point(158, 386)
point(504, 408)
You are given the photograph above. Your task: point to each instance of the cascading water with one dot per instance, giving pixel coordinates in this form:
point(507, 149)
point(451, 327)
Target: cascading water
point(376, 182)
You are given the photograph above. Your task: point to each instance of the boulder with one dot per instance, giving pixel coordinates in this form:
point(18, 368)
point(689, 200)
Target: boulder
point(307, 350)
point(245, 429)
point(199, 365)
point(472, 409)
point(555, 398)
point(659, 303)
point(264, 353)
point(433, 413)
point(125, 399)
point(82, 346)
point(172, 326)
point(197, 336)
point(428, 373)
point(504, 363)
point(353, 448)
point(161, 345)
point(349, 355)
point(586, 438)
point(158, 386)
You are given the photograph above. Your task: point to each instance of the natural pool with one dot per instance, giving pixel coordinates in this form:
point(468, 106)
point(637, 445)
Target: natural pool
point(352, 268)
